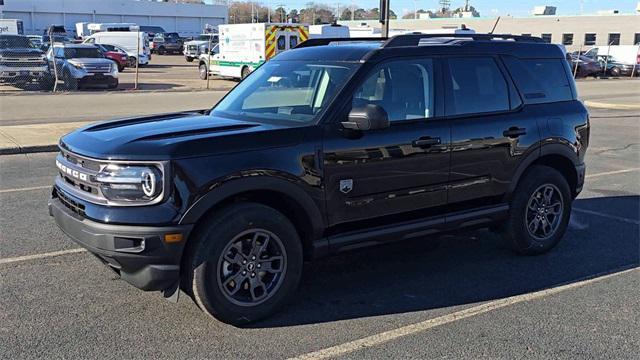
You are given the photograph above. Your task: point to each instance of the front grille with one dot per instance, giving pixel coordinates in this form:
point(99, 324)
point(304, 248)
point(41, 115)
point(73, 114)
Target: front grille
point(25, 64)
point(76, 175)
point(102, 68)
point(71, 204)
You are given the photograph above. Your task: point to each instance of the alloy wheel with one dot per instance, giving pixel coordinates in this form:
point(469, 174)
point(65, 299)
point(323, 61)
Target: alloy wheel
point(544, 212)
point(252, 267)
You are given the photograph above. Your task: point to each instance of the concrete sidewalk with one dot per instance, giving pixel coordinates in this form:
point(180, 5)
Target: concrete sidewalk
point(19, 139)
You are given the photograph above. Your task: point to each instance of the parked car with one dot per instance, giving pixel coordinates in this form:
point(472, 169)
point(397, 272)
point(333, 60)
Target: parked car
point(61, 39)
point(130, 41)
point(36, 40)
point(200, 45)
point(81, 65)
point(22, 64)
point(615, 67)
point(624, 54)
point(585, 66)
point(164, 43)
point(116, 54)
point(324, 149)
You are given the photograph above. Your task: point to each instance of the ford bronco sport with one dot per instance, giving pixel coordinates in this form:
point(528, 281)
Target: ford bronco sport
point(328, 147)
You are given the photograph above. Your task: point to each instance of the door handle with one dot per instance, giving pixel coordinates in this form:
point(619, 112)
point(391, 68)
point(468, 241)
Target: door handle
point(424, 142)
point(514, 132)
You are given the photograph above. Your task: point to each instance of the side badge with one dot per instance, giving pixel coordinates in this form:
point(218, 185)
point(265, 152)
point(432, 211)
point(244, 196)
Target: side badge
point(346, 186)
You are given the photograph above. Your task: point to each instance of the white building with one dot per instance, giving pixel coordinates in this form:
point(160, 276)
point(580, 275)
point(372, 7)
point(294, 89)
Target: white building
point(186, 19)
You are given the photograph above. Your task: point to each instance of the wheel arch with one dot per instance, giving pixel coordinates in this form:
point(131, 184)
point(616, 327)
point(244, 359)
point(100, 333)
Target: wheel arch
point(557, 156)
point(282, 195)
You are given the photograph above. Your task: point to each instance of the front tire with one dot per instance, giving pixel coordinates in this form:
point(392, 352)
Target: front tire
point(245, 262)
point(615, 71)
point(189, 59)
point(539, 211)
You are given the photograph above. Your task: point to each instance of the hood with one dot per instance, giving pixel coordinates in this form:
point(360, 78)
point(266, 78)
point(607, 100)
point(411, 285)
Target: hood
point(174, 136)
point(21, 52)
point(198, 42)
point(90, 61)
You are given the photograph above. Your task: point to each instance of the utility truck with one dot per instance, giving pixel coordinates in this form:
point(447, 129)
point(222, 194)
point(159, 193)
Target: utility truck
point(244, 47)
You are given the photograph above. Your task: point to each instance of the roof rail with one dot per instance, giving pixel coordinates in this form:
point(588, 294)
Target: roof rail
point(414, 38)
point(327, 41)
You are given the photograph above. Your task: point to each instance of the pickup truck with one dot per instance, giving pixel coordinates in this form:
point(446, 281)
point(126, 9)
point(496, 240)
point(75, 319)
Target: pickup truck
point(21, 64)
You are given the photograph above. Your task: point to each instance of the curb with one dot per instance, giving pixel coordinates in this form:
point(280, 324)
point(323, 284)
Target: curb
point(29, 149)
point(601, 105)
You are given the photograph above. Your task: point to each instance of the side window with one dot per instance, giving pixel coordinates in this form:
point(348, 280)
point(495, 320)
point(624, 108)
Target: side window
point(478, 86)
point(403, 88)
point(540, 80)
point(91, 41)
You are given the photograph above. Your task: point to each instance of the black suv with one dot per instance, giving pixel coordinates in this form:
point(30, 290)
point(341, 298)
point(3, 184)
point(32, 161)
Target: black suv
point(328, 147)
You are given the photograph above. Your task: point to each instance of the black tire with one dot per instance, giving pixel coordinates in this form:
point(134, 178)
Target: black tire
point(189, 59)
point(615, 71)
point(113, 85)
point(132, 62)
point(46, 84)
point(70, 83)
point(244, 73)
point(211, 247)
point(120, 68)
point(203, 72)
point(525, 209)
point(161, 51)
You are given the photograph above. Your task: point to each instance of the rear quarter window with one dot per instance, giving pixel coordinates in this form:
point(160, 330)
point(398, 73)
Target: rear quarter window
point(541, 80)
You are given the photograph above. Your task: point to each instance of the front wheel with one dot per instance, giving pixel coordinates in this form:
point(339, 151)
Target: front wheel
point(203, 71)
point(615, 71)
point(245, 262)
point(189, 59)
point(132, 62)
point(539, 211)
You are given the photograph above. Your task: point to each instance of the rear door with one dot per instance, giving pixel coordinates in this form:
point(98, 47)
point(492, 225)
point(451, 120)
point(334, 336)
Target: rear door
point(489, 133)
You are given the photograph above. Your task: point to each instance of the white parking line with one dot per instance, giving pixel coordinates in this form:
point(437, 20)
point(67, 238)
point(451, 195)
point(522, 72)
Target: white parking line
point(384, 337)
point(24, 189)
point(608, 216)
point(40, 256)
point(611, 173)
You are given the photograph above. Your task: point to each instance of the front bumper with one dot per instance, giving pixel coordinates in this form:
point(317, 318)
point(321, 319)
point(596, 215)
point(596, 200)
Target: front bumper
point(138, 253)
point(98, 79)
point(22, 74)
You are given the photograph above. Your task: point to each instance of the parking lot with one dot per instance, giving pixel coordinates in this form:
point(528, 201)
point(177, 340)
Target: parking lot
point(455, 296)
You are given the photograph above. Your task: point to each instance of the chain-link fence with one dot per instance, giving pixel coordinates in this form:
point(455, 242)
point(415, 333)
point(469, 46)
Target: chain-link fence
point(31, 63)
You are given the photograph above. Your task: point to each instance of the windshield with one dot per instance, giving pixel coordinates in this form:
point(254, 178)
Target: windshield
point(8, 42)
point(75, 53)
point(286, 90)
point(206, 38)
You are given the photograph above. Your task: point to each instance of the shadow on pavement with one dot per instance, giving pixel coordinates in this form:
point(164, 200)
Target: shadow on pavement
point(465, 268)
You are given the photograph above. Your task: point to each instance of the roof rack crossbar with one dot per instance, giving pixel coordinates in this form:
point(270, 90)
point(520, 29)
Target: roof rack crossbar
point(327, 41)
point(414, 38)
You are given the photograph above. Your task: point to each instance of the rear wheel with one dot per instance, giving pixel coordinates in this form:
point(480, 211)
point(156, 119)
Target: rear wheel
point(132, 62)
point(245, 72)
point(203, 71)
point(113, 85)
point(539, 211)
point(70, 83)
point(244, 263)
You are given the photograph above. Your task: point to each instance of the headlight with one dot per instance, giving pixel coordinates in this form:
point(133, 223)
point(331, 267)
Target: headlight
point(77, 66)
point(130, 184)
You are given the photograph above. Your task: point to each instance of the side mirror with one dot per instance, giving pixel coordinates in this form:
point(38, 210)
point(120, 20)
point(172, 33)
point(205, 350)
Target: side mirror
point(368, 117)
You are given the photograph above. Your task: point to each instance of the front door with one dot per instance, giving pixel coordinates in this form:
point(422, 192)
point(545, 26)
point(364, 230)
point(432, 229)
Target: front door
point(398, 170)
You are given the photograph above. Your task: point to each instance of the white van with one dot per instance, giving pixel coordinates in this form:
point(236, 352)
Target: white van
point(127, 41)
point(325, 31)
point(625, 54)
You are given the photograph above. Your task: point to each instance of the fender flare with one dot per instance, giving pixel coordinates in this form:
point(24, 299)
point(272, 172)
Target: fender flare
point(237, 186)
point(563, 150)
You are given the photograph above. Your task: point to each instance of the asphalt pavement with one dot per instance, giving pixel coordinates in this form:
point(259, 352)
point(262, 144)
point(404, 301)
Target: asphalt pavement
point(455, 296)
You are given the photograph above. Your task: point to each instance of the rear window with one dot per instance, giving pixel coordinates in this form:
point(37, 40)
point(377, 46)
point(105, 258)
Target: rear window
point(540, 80)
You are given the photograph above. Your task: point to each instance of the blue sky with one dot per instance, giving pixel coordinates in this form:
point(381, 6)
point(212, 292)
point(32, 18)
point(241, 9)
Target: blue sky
point(486, 7)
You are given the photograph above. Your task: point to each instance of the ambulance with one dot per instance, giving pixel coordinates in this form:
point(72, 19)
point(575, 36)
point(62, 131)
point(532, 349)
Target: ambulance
point(244, 47)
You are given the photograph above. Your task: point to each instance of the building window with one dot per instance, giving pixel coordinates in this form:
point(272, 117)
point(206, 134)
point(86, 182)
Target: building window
point(567, 39)
point(636, 39)
point(590, 39)
point(614, 39)
point(546, 37)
